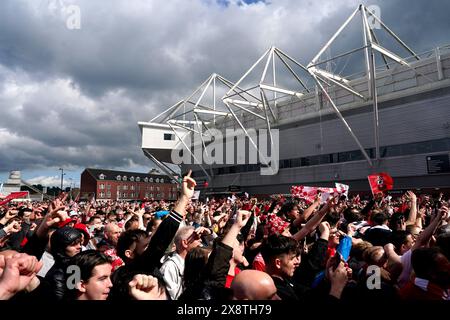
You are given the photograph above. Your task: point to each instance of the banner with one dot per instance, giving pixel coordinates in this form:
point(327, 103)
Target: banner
point(380, 182)
point(310, 193)
point(13, 195)
point(342, 188)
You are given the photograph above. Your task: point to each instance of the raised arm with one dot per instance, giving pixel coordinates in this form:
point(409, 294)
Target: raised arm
point(428, 232)
point(314, 221)
point(413, 210)
point(307, 213)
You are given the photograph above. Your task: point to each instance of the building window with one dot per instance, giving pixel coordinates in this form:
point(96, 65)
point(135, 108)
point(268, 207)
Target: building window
point(101, 176)
point(151, 179)
point(131, 178)
point(108, 194)
point(124, 178)
point(119, 177)
point(102, 194)
point(132, 195)
point(124, 195)
point(145, 179)
point(132, 187)
point(151, 195)
point(138, 179)
point(168, 136)
point(108, 187)
point(162, 180)
point(162, 195)
point(102, 186)
point(146, 195)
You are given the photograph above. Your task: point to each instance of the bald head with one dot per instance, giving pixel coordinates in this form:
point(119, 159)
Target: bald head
point(112, 233)
point(253, 285)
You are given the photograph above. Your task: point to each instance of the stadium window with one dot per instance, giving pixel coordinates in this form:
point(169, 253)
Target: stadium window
point(169, 137)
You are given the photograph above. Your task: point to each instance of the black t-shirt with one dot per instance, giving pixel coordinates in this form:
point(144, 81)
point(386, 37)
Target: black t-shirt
point(285, 289)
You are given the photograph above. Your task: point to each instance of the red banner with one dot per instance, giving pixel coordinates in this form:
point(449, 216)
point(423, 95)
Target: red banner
point(13, 195)
point(380, 182)
point(310, 193)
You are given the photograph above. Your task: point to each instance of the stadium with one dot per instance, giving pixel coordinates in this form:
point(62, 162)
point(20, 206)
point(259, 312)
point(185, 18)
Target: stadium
point(374, 107)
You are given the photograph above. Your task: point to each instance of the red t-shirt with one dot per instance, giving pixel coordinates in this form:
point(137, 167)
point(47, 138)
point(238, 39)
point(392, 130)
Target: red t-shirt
point(230, 277)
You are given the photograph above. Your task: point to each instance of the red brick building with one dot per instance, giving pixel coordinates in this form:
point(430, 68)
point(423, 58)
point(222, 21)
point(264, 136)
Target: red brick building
point(122, 185)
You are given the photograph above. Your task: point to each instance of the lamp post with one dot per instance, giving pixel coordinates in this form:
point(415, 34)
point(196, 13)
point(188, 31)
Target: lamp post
point(62, 178)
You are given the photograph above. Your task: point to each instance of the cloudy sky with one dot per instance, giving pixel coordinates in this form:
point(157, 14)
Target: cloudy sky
point(72, 98)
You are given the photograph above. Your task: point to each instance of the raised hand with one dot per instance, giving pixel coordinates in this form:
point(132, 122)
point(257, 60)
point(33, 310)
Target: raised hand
point(242, 217)
point(13, 227)
point(411, 196)
point(18, 272)
point(188, 186)
point(144, 287)
point(338, 278)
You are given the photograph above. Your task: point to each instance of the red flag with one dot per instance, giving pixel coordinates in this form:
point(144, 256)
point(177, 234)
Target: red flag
point(380, 182)
point(13, 195)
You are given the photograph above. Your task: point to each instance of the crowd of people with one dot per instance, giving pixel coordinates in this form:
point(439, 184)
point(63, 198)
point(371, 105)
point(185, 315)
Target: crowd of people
point(242, 248)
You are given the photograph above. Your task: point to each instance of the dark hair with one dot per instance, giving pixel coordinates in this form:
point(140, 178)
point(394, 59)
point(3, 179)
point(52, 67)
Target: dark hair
point(423, 261)
point(332, 218)
point(22, 211)
point(94, 217)
point(130, 222)
point(352, 215)
point(395, 218)
point(443, 242)
point(277, 245)
point(379, 218)
point(287, 207)
point(88, 260)
point(127, 239)
point(195, 264)
point(399, 237)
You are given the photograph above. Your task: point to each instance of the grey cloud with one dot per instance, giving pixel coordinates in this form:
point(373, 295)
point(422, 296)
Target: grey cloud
point(132, 59)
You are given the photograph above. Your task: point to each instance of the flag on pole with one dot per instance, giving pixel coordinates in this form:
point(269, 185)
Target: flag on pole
point(380, 182)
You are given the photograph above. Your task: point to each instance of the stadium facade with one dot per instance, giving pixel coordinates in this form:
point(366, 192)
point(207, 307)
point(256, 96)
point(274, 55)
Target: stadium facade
point(341, 130)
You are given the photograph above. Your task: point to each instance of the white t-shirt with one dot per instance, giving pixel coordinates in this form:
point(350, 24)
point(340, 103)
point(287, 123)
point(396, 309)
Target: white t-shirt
point(405, 276)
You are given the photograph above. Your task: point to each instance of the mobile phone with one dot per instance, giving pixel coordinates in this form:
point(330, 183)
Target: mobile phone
point(337, 260)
